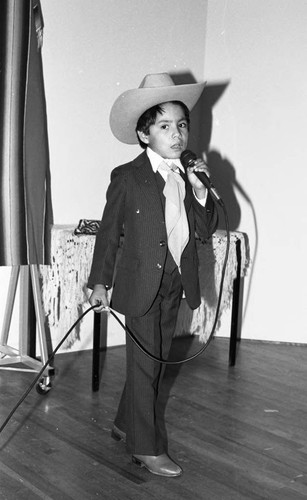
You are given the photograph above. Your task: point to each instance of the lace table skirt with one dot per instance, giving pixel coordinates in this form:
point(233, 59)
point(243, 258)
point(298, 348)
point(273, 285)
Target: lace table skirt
point(65, 294)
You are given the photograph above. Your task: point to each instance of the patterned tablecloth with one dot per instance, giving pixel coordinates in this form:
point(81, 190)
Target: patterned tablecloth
point(65, 295)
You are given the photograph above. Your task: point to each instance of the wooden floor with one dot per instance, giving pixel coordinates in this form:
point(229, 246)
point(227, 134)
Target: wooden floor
point(239, 433)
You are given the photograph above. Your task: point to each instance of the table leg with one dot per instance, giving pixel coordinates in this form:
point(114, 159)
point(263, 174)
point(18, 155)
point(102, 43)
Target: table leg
point(236, 314)
point(99, 345)
point(96, 352)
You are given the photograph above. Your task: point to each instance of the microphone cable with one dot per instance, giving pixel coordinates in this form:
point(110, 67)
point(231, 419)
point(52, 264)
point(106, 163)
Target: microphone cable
point(36, 379)
point(131, 335)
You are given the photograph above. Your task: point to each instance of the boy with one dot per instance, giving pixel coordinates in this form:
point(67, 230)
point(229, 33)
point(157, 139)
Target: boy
point(159, 213)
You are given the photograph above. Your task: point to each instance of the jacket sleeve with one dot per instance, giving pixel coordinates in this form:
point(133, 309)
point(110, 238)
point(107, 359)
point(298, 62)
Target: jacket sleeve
point(110, 230)
point(206, 218)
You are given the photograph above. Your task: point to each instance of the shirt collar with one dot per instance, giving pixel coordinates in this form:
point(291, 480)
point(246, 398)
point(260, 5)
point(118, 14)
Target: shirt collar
point(155, 160)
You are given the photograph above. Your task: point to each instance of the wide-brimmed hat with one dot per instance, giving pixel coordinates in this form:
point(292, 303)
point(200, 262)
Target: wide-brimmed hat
point(154, 89)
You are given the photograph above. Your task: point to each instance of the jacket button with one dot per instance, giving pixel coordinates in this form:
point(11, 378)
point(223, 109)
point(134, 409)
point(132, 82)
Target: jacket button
point(162, 243)
point(159, 266)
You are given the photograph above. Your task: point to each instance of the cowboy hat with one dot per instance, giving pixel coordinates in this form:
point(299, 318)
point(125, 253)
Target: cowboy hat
point(154, 89)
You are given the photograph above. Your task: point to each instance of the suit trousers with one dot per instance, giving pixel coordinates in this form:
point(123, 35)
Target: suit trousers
point(140, 412)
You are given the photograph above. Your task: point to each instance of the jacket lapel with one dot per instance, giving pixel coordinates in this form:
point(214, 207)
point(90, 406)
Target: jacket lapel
point(147, 181)
point(145, 177)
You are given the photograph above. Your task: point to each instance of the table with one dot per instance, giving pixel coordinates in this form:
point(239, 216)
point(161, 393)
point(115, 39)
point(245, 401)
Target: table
point(65, 295)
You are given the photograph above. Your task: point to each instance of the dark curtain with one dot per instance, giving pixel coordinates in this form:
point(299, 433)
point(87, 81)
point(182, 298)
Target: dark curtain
point(25, 203)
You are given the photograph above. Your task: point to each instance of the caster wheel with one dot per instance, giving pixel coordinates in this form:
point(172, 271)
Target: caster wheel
point(43, 386)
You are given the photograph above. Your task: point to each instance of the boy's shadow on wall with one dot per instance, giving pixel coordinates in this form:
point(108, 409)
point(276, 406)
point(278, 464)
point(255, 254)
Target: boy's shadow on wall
point(222, 171)
point(223, 176)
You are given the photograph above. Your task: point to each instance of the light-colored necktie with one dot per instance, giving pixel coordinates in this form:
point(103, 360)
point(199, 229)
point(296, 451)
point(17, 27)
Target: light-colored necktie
point(176, 221)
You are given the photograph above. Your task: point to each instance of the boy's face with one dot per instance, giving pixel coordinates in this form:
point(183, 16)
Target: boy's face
point(169, 135)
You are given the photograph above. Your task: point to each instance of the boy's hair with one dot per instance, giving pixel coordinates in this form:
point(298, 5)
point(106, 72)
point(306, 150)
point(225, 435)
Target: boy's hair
point(149, 117)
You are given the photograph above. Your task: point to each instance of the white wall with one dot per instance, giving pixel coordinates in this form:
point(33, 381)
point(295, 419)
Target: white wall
point(260, 129)
point(95, 50)
point(92, 52)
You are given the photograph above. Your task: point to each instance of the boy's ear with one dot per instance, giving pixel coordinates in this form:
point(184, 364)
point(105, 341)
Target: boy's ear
point(142, 136)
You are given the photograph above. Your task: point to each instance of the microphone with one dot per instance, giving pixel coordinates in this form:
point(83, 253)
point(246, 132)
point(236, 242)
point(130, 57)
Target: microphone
point(188, 159)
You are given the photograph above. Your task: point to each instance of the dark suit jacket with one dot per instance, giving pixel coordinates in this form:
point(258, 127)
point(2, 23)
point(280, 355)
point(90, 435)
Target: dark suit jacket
point(134, 205)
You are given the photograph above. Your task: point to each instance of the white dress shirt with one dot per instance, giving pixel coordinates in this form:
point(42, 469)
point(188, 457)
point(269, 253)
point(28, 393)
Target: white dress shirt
point(155, 160)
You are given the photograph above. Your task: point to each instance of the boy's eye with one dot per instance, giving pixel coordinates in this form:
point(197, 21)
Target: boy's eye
point(183, 125)
point(164, 127)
